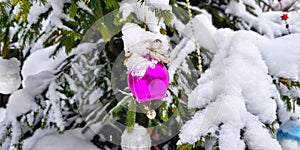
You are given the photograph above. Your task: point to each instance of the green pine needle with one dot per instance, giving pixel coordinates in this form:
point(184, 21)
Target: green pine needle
point(131, 116)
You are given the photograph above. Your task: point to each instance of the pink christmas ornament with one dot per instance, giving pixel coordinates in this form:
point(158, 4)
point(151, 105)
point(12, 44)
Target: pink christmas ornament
point(152, 86)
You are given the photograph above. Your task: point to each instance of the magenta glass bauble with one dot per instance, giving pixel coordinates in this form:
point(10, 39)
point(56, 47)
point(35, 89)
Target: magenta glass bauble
point(152, 86)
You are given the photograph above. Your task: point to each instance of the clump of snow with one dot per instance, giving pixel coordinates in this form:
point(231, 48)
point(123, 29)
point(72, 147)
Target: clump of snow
point(235, 7)
point(137, 139)
point(140, 41)
point(140, 44)
point(50, 139)
point(41, 60)
point(19, 103)
point(256, 135)
point(10, 78)
point(281, 54)
point(229, 92)
point(23, 100)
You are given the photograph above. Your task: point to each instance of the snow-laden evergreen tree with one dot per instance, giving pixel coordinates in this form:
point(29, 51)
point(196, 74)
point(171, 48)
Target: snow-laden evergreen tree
point(73, 57)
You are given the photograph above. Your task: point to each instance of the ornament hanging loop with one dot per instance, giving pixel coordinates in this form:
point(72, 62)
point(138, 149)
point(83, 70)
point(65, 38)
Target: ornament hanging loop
point(156, 44)
point(156, 50)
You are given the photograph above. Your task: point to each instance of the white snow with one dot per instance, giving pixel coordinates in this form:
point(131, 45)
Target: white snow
point(256, 135)
point(235, 94)
point(58, 14)
point(50, 139)
point(54, 101)
point(137, 139)
point(144, 12)
point(41, 60)
point(139, 43)
point(230, 138)
point(39, 82)
point(281, 54)
point(2, 114)
point(268, 22)
point(204, 32)
point(237, 89)
point(39, 44)
point(23, 100)
point(19, 103)
point(178, 54)
point(263, 26)
point(138, 40)
point(202, 27)
point(10, 78)
point(243, 66)
point(35, 11)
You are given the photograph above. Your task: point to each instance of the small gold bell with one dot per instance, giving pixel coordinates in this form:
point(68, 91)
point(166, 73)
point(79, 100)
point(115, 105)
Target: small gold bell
point(151, 114)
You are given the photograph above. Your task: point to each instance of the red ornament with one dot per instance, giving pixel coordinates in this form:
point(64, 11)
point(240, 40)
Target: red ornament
point(284, 17)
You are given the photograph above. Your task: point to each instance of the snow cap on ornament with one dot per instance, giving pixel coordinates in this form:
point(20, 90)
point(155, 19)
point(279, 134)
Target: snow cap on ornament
point(137, 139)
point(288, 134)
point(10, 79)
point(143, 43)
point(148, 78)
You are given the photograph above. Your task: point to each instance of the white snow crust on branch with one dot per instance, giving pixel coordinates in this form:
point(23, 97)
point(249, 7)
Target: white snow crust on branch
point(23, 100)
point(267, 23)
point(35, 11)
point(58, 14)
point(41, 60)
point(237, 90)
point(143, 11)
